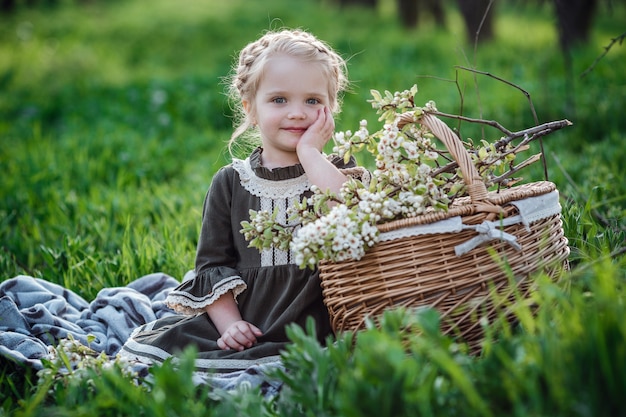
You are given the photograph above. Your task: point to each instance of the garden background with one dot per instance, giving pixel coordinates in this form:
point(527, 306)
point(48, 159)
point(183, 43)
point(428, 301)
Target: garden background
point(113, 119)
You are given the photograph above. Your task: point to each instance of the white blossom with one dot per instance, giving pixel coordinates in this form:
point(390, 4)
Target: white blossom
point(407, 183)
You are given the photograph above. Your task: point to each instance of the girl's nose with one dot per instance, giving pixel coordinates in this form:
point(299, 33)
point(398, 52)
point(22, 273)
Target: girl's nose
point(296, 112)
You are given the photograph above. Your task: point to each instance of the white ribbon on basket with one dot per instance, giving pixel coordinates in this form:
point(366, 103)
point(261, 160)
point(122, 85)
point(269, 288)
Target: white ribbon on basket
point(530, 210)
point(488, 231)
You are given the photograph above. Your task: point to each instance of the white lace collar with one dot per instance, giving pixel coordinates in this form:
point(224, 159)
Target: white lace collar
point(266, 188)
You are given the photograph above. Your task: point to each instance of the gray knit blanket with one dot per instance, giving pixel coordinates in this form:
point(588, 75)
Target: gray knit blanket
point(35, 314)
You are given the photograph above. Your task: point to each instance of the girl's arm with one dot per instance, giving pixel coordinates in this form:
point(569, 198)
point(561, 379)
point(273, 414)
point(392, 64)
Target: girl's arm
point(236, 333)
point(320, 170)
point(215, 261)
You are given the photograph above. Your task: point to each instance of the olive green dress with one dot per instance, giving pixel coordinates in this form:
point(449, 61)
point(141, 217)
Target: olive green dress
point(270, 290)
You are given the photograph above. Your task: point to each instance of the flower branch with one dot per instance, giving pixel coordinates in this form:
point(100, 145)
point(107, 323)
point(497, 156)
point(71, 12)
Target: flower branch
point(412, 176)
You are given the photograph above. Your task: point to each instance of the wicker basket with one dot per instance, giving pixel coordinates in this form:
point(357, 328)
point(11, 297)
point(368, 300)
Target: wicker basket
point(454, 260)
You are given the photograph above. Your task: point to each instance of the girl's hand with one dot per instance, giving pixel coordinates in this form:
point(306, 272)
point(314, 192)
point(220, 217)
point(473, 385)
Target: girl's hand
point(319, 169)
point(319, 133)
point(239, 335)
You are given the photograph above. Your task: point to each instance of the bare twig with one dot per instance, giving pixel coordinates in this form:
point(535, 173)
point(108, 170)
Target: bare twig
point(480, 26)
point(461, 98)
point(476, 37)
point(607, 48)
point(530, 103)
point(458, 87)
point(491, 123)
point(526, 93)
point(533, 132)
point(500, 179)
point(529, 135)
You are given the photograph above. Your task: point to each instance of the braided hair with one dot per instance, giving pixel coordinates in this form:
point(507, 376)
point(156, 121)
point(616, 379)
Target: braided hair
point(249, 69)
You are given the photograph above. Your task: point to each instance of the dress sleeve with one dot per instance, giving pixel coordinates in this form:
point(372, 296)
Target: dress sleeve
point(216, 256)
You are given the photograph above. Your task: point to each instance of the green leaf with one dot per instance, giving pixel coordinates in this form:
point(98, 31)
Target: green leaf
point(346, 156)
point(376, 95)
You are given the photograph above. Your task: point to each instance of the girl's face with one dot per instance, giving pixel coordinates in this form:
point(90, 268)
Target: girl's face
point(287, 102)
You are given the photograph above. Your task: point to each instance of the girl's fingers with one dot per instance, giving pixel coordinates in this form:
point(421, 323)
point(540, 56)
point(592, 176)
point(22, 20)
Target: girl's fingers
point(240, 336)
point(329, 117)
point(319, 122)
point(222, 345)
point(319, 132)
point(254, 331)
point(325, 124)
point(229, 342)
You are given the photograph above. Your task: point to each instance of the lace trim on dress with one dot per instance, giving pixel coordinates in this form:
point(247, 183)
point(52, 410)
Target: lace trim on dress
point(185, 303)
point(273, 256)
point(262, 187)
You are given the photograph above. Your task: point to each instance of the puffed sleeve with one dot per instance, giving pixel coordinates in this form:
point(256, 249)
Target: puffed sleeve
point(216, 257)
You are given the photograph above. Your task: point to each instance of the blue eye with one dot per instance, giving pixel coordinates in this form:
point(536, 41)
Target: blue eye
point(279, 100)
point(313, 101)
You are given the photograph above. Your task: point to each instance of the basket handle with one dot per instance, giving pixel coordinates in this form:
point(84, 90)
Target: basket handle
point(476, 188)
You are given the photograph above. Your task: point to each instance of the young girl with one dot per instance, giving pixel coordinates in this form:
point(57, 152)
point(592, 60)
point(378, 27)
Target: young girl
point(238, 302)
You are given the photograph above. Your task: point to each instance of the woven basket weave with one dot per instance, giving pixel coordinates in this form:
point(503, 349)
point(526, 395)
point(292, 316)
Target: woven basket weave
point(425, 270)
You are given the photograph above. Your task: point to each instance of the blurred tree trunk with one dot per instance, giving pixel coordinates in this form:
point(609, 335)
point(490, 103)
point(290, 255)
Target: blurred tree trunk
point(7, 5)
point(367, 3)
point(409, 12)
point(435, 7)
point(478, 16)
point(574, 20)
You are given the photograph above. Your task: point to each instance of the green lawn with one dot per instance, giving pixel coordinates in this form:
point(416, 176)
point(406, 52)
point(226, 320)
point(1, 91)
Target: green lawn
point(113, 119)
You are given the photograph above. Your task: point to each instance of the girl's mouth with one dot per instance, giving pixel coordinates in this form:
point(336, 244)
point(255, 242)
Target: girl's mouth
point(295, 129)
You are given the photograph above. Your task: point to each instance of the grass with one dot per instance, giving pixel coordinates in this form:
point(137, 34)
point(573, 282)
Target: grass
point(113, 120)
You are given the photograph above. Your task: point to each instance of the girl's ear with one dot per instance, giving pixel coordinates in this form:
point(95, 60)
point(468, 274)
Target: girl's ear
point(247, 107)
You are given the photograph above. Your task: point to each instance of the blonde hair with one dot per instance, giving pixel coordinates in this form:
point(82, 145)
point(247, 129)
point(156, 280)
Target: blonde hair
point(250, 65)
